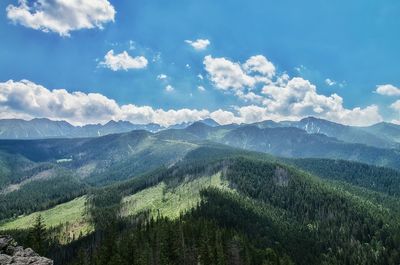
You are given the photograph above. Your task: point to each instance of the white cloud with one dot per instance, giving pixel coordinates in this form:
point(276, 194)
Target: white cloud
point(259, 64)
point(61, 16)
point(147, 114)
point(299, 98)
point(25, 99)
point(395, 121)
point(224, 117)
point(28, 98)
point(249, 96)
point(162, 77)
point(200, 76)
point(388, 90)
point(396, 105)
point(281, 97)
point(226, 74)
point(253, 113)
point(201, 88)
point(169, 88)
point(330, 82)
point(123, 61)
point(199, 44)
point(356, 116)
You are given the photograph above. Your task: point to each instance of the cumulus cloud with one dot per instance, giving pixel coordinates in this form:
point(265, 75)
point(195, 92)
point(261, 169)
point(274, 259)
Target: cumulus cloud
point(281, 97)
point(201, 88)
point(396, 105)
point(259, 64)
point(199, 44)
point(123, 61)
point(299, 98)
point(224, 117)
point(25, 99)
point(226, 74)
point(388, 90)
point(61, 16)
point(249, 96)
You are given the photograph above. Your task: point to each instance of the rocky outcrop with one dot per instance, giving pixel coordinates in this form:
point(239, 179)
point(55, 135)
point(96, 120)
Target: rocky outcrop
point(11, 253)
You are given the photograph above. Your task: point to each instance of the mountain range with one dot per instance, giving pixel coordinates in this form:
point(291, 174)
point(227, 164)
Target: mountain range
point(383, 135)
point(45, 128)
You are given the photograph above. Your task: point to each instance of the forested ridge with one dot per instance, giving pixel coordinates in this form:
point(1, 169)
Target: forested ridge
point(274, 214)
point(385, 180)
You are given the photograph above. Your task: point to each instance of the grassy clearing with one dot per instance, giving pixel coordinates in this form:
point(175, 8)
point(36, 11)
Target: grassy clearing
point(171, 201)
point(71, 214)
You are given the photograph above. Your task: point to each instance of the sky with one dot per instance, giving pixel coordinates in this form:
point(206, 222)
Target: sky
point(170, 62)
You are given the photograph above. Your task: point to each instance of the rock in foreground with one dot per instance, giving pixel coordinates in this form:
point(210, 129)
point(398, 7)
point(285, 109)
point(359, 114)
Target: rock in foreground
point(11, 253)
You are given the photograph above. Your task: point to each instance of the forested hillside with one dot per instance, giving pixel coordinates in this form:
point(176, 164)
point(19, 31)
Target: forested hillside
point(266, 213)
point(378, 179)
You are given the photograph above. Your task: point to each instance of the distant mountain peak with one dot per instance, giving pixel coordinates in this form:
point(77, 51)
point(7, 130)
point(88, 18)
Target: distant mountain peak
point(210, 122)
point(113, 122)
point(319, 120)
point(41, 119)
point(198, 124)
point(310, 118)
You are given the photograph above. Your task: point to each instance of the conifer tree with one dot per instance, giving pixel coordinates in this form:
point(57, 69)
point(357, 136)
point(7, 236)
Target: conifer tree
point(39, 236)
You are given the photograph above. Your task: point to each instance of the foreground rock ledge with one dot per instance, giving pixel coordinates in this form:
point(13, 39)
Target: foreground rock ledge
point(11, 253)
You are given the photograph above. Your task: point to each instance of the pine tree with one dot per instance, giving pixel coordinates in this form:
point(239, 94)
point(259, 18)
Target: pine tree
point(39, 236)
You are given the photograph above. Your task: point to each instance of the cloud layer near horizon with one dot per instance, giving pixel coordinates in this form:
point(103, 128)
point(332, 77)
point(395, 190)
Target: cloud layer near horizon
point(25, 99)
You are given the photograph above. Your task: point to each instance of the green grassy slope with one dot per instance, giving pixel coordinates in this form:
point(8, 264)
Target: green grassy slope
point(72, 214)
point(169, 201)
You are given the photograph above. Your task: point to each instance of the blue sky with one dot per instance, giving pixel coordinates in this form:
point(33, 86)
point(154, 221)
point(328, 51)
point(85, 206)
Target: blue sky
point(354, 44)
